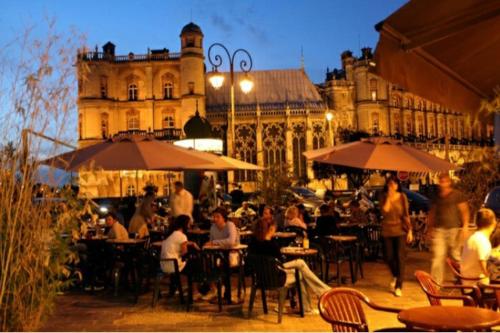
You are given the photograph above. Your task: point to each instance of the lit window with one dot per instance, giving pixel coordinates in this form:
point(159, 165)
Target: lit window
point(104, 125)
point(168, 121)
point(132, 92)
point(168, 90)
point(373, 89)
point(133, 120)
point(375, 122)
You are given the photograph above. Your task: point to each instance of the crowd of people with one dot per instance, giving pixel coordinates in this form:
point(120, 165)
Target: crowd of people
point(447, 228)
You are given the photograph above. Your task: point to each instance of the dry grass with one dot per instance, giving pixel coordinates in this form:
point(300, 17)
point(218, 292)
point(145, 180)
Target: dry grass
point(37, 93)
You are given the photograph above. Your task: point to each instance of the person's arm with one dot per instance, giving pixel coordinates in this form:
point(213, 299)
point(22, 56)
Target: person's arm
point(464, 212)
point(386, 204)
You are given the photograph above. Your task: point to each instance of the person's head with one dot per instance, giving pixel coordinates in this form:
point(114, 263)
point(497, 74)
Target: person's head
point(324, 210)
point(264, 229)
point(486, 220)
point(179, 186)
point(301, 208)
point(181, 223)
point(219, 216)
point(111, 218)
point(292, 212)
point(392, 184)
point(147, 206)
point(244, 205)
point(267, 213)
point(445, 182)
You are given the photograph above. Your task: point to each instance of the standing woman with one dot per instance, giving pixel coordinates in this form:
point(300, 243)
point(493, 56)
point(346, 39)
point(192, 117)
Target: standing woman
point(396, 231)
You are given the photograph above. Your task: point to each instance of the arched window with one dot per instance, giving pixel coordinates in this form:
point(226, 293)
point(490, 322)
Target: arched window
point(133, 92)
point(104, 125)
point(168, 90)
point(431, 131)
point(408, 125)
point(397, 122)
point(373, 89)
point(375, 123)
point(420, 125)
point(133, 120)
point(168, 119)
point(104, 87)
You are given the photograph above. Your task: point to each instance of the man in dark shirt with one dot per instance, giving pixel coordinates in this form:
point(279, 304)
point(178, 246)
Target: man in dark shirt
point(448, 223)
point(236, 197)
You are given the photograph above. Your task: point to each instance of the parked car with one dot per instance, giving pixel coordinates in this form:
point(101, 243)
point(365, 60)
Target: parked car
point(417, 201)
point(492, 200)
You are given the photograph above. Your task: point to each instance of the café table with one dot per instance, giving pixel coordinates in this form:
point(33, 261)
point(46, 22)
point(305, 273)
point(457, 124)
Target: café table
point(226, 251)
point(199, 236)
point(295, 252)
point(450, 318)
point(94, 247)
point(342, 243)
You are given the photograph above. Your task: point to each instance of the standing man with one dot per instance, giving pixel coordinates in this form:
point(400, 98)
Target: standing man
point(181, 201)
point(447, 225)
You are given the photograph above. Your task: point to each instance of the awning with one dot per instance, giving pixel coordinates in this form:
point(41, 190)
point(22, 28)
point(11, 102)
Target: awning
point(447, 51)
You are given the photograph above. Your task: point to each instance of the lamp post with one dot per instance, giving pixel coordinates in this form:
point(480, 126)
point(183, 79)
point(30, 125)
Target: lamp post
point(329, 118)
point(217, 80)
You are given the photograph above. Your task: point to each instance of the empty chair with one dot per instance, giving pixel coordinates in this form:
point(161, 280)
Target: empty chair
point(342, 308)
point(433, 291)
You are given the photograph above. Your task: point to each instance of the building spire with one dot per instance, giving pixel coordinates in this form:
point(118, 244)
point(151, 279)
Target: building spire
point(302, 58)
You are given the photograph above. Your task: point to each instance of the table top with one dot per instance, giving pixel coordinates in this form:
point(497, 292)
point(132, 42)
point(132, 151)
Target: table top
point(298, 251)
point(342, 238)
point(198, 231)
point(156, 244)
point(94, 239)
point(450, 318)
point(222, 248)
point(245, 233)
point(282, 234)
point(132, 241)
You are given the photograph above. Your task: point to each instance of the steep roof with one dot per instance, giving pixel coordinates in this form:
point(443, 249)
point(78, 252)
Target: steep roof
point(272, 88)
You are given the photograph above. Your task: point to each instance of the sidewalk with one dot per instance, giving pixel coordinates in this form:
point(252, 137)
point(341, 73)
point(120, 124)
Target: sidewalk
point(83, 312)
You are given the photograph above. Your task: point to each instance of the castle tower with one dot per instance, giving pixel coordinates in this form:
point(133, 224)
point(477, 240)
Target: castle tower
point(192, 71)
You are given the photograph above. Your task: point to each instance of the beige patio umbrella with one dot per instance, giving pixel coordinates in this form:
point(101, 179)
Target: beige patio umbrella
point(380, 154)
point(223, 163)
point(130, 153)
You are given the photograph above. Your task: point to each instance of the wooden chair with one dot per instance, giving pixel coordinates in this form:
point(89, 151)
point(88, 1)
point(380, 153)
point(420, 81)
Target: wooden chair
point(433, 291)
point(490, 302)
point(342, 308)
point(269, 274)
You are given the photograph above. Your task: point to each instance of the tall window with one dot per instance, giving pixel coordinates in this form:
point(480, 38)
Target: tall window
point(442, 127)
point(408, 125)
point(133, 120)
point(420, 125)
point(104, 87)
point(397, 122)
point(168, 90)
point(191, 87)
point(431, 131)
point(133, 92)
point(373, 89)
point(375, 122)
point(104, 125)
point(168, 120)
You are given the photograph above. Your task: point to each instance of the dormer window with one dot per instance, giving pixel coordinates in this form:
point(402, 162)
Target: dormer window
point(133, 92)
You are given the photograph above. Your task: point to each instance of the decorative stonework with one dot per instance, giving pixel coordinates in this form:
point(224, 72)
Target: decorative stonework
point(274, 143)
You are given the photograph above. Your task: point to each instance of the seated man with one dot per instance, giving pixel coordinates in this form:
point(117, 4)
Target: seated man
point(222, 232)
point(326, 223)
point(116, 231)
point(244, 211)
point(477, 248)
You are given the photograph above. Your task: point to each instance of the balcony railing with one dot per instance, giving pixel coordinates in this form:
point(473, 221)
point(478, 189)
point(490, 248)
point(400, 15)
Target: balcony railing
point(166, 134)
point(100, 56)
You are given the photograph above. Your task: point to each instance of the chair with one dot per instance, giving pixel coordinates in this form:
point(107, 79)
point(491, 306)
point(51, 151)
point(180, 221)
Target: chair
point(269, 274)
point(433, 291)
point(175, 278)
point(455, 269)
point(373, 240)
point(342, 308)
point(491, 303)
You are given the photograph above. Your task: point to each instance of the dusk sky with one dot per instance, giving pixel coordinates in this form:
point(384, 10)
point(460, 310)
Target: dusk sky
point(273, 31)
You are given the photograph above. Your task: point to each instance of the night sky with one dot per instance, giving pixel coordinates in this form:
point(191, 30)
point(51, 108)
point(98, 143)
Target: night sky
point(273, 31)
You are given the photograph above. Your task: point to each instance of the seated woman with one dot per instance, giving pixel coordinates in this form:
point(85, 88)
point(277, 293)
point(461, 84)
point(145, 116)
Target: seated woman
point(292, 218)
point(357, 214)
point(176, 245)
point(264, 244)
point(477, 248)
point(326, 223)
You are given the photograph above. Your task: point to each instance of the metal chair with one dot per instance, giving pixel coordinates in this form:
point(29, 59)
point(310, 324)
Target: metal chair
point(433, 290)
point(342, 308)
point(269, 274)
point(175, 278)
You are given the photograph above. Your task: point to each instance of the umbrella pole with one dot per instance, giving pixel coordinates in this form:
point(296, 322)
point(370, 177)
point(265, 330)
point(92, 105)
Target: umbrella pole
point(137, 183)
point(121, 184)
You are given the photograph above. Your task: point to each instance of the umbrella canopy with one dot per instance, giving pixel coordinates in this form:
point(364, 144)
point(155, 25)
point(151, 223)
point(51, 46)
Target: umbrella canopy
point(446, 51)
point(226, 163)
point(130, 153)
point(380, 154)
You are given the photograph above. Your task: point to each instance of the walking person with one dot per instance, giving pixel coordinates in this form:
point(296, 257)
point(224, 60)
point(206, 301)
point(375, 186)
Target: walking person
point(396, 231)
point(181, 201)
point(447, 225)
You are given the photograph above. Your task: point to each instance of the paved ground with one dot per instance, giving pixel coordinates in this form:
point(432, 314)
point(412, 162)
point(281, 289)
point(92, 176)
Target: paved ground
point(83, 312)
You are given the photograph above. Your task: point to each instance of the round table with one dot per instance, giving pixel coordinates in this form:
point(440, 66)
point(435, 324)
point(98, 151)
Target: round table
point(295, 251)
point(227, 267)
point(449, 318)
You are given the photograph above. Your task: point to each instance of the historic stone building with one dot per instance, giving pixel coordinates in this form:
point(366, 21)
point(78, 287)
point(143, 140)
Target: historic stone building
point(363, 101)
point(284, 115)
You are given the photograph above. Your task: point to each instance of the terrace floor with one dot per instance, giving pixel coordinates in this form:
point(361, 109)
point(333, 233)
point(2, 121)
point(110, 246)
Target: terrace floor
point(78, 311)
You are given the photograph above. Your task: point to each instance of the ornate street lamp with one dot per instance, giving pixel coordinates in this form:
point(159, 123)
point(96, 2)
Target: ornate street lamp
point(217, 79)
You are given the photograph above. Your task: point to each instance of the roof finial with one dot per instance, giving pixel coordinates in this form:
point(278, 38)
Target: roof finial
point(302, 58)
